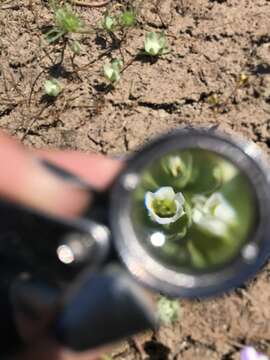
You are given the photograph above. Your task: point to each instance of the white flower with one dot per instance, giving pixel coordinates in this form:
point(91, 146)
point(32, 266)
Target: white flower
point(109, 23)
point(164, 206)
point(176, 165)
point(155, 44)
point(179, 168)
point(112, 70)
point(52, 87)
point(249, 353)
point(214, 214)
point(217, 206)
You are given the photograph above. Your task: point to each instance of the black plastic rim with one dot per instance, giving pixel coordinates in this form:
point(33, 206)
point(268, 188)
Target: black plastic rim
point(148, 271)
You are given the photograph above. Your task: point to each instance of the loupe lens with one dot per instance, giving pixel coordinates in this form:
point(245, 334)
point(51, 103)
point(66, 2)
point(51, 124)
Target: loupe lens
point(193, 210)
point(190, 212)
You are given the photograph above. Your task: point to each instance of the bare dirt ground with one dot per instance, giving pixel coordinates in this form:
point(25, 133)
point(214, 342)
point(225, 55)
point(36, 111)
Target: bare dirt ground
point(213, 44)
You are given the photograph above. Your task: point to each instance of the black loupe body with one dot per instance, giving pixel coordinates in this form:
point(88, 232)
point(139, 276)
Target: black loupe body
point(190, 213)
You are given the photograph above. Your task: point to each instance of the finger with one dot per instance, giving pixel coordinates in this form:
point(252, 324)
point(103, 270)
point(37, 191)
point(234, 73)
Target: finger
point(24, 179)
point(97, 170)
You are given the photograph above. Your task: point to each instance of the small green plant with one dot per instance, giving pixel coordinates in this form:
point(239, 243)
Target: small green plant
point(217, 103)
point(122, 21)
point(213, 100)
point(127, 18)
point(155, 44)
point(75, 47)
point(242, 80)
point(109, 23)
point(66, 22)
point(52, 87)
point(112, 71)
point(168, 310)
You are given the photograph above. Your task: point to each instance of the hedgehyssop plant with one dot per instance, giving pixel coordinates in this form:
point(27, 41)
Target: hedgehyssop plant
point(112, 70)
point(122, 21)
point(67, 22)
point(52, 87)
point(155, 44)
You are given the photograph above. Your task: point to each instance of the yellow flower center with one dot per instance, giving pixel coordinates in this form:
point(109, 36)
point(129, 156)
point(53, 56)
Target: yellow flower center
point(164, 207)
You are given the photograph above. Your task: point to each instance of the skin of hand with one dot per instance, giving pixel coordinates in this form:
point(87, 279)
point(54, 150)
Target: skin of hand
point(24, 179)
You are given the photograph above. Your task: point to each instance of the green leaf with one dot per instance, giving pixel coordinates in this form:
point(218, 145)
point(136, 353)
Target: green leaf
point(54, 34)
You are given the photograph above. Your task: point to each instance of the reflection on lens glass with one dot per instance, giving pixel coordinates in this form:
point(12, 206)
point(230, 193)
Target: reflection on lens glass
point(193, 210)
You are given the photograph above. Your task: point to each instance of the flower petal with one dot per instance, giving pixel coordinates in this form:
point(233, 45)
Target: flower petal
point(220, 208)
point(166, 221)
point(175, 164)
point(148, 200)
point(249, 353)
point(197, 215)
point(162, 221)
point(212, 225)
point(165, 192)
point(179, 198)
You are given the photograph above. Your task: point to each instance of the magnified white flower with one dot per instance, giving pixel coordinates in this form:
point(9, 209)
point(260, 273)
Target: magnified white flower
point(165, 206)
point(176, 166)
point(179, 168)
point(218, 207)
point(213, 214)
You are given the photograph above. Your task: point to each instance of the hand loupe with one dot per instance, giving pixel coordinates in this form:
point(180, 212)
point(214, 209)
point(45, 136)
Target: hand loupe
point(188, 216)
